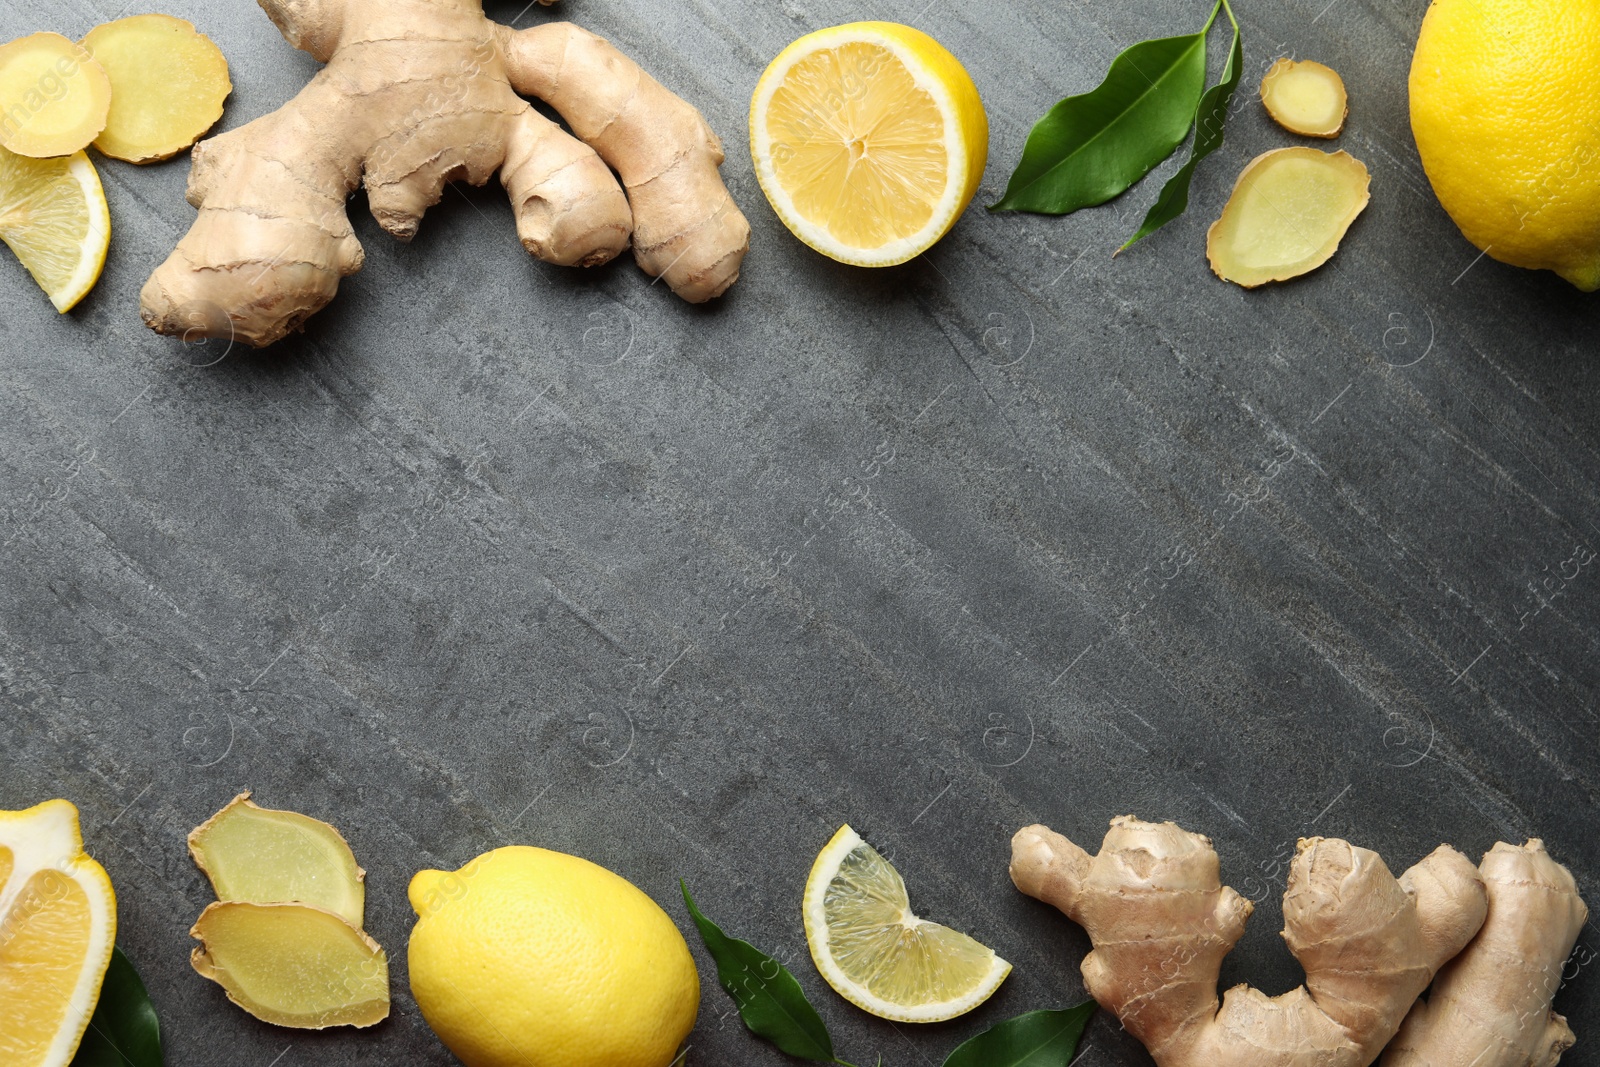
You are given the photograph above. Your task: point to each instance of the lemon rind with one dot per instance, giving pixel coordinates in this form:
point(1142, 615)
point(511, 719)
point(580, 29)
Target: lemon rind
point(823, 869)
point(945, 212)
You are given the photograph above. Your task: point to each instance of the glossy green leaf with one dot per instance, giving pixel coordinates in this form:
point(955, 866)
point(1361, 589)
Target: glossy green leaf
point(1037, 1039)
point(771, 1002)
point(1174, 198)
point(123, 1032)
point(1090, 148)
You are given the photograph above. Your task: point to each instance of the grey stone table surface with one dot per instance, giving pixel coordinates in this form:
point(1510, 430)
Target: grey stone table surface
point(1017, 532)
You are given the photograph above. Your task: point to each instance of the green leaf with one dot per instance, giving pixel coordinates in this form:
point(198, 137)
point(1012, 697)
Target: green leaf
point(123, 1032)
point(1090, 148)
point(770, 1001)
point(1037, 1039)
point(1174, 196)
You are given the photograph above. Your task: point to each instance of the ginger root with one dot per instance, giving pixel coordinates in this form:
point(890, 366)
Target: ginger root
point(1289, 210)
point(418, 93)
point(1490, 1006)
point(1305, 97)
point(1161, 923)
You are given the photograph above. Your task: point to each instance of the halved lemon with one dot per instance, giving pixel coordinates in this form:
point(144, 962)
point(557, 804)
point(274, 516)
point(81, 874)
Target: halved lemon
point(58, 922)
point(53, 214)
point(869, 139)
point(876, 953)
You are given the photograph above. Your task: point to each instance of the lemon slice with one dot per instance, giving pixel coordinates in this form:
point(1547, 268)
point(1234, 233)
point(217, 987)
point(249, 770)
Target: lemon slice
point(869, 140)
point(876, 953)
point(58, 922)
point(53, 215)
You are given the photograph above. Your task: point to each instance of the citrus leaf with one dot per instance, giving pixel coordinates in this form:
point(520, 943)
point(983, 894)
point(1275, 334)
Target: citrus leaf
point(1213, 114)
point(123, 1032)
point(1090, 148)
point(1037, 1039)
point(771, 1002)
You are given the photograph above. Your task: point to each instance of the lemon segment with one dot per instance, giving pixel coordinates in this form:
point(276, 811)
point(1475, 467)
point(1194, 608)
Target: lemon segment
point(58, 923)
point(869, 140)
point(53, 215)
point(876, 953)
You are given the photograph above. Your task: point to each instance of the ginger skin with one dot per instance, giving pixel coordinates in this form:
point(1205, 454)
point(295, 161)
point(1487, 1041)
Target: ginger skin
point(416, 94)
point(1490, 1006)
point(1161, 923)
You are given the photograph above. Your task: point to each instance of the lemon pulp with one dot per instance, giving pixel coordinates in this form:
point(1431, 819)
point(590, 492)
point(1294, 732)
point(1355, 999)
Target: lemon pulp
point(53, 215)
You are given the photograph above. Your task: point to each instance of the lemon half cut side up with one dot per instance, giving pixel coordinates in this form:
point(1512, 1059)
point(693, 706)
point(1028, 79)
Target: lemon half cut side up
point(869, 140)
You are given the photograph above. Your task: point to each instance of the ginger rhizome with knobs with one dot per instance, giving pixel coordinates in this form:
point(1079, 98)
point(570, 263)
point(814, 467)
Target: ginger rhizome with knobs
point(1490, 1006)
point(418, 93)
point(1161, 922)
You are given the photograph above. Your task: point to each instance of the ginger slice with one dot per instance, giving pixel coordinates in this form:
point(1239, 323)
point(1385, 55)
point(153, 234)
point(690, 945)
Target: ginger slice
point(1305, 97)
point(1289, 210)
point(263, 856)
point(168, 82)
point(54, 97)
point(292, 964)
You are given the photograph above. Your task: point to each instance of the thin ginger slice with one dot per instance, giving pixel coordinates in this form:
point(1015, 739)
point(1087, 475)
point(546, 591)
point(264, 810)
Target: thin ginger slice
point(54, 97)
point(168, 83)
point(1289, 210)
point(264, 856)
point(293, 965)
point(1305, 97)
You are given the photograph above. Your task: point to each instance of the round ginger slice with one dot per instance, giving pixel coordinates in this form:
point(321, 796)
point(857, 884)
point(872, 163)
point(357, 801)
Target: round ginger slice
point(168, 83)
point(54, 98)
point(1305, 97)
point(1289, 210)
point(292, 964)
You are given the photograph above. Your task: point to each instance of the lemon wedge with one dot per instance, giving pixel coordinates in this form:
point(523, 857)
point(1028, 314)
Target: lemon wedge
point(869, 139)
point(53, 214)
point(58, 922)
point(876, 953)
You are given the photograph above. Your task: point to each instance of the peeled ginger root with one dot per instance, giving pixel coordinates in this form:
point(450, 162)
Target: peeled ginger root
point(1490, 1006)
point(168, 82)
point(263, 856)
point(293, 965)
point(1289, 210)
point(1305, 97)
point(54, 97)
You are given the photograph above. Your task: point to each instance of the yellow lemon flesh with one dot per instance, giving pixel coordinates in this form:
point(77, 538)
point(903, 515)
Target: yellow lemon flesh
point(876, 953)
point(1507, 121)
point(58, 923)
point(532, 958)
point(869, 140)
point(53, 215)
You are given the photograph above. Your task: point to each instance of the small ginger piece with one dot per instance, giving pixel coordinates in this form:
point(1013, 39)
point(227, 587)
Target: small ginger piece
point(1289, 210)
point(265, 856)
point(1490, 1006)
point(1161, 922)
point(1305, 97)
point(54, 97)
point(292, 964)
point(168, 82)
point(419, 93)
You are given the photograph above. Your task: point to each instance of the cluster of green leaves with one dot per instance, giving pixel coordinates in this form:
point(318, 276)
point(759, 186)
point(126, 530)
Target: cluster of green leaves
point(774, 1008)
point(123, 1032)
point(1090, 148)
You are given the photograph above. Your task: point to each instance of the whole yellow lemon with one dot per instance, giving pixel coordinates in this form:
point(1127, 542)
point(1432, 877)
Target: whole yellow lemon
point(1505, 106)
point(532, 958)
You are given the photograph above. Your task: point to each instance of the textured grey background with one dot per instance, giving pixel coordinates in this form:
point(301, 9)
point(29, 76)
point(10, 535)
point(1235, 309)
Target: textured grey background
point(504, 553)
